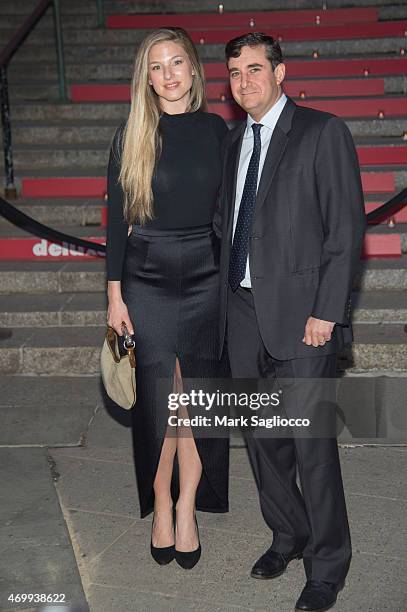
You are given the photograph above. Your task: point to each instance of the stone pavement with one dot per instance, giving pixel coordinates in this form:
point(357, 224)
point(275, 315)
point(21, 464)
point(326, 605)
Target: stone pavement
point(69, 518)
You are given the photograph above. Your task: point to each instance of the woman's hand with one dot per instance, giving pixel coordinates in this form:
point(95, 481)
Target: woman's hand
point(117, 313)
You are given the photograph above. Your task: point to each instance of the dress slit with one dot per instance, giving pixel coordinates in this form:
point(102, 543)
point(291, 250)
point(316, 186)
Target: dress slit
point(170, 287)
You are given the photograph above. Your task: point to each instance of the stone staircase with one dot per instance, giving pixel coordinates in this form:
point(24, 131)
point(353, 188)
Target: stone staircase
point(56, 308)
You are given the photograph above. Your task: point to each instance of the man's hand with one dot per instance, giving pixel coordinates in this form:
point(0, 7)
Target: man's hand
point(317, 332)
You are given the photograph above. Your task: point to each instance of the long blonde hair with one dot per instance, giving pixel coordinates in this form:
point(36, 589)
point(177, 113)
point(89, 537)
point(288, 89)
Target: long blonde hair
point(141, 142)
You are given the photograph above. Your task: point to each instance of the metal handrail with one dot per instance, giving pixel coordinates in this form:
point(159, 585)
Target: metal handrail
point(5, 57)
point(28, 224)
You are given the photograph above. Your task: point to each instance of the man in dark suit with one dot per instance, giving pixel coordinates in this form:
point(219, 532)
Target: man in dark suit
point(292, 225)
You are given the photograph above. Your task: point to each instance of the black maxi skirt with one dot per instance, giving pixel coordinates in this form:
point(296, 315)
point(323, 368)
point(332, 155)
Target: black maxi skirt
point(170, 285)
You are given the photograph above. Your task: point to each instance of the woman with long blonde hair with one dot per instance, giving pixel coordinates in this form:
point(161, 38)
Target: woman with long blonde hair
point(162, 268)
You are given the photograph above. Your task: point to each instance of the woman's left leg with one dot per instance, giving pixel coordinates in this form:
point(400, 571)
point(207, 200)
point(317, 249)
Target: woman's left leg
point(190, 471)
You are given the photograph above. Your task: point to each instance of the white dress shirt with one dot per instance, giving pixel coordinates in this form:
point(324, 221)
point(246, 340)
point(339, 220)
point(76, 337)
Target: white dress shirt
point(268, 122)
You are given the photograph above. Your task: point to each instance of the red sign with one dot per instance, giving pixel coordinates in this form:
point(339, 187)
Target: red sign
point(40, 249)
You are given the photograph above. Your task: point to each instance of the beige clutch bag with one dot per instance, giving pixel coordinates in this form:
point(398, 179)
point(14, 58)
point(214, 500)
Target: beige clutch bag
point(119, 371)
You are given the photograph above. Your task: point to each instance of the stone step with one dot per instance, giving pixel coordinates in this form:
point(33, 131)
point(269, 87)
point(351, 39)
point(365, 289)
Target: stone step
point(53, 351)
point(34, 277)
point(70, 7)
point(42, 136)
point(117, 6)
point(11, 11)
point(78, 33)
point(37, 157)
point(80, 309)
point(66, 212)
point(379, 307)
point(88, 70)
point(373, 106)
point(100, 133)
point(112, 113)
point(9, 230)
point(70, 158)
point(95, 155)
point(83, 220)
point(37, 92)
point(395, 85)
point(377, 347)
point(96, 46)
point(10, 23)
point(90, 182)
point(382, 275)
point(296, 88)
point(71, 212)
point(59, 309)
point(52, 277)
point(51, 113)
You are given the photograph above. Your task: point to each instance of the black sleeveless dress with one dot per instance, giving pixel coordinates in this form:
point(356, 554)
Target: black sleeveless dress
point(169, 274)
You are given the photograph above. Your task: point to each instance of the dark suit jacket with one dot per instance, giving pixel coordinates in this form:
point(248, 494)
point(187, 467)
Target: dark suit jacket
point(306, 233)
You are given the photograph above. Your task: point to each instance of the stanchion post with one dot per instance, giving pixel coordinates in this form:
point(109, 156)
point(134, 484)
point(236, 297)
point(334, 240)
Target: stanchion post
point(60, 50)
point(10, 191)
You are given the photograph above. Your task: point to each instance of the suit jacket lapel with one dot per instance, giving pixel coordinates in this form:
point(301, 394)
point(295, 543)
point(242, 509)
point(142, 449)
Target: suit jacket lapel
point(232, 166)
point(275, 152)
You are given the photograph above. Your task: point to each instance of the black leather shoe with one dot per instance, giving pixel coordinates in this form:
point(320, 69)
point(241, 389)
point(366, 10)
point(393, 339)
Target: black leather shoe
point(162, 555)
point(272, 564)
point(318, 596)
point(188, 560)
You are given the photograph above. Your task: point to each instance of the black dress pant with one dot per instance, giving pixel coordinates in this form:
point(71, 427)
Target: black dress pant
point(313, 519)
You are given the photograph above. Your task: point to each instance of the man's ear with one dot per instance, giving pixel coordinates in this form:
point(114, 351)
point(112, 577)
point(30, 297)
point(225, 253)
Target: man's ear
point(279, 73)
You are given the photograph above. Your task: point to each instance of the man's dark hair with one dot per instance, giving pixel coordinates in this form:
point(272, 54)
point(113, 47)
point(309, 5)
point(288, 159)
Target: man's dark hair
point(255, 39)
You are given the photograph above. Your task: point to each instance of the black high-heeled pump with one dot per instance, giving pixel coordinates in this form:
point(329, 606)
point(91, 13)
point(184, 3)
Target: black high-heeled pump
point(162, 555)
point(188, 560)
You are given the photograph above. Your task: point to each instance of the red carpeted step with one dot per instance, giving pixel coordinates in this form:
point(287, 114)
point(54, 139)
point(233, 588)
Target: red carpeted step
point(95, 187)
point(373, 107)
point(384, 29)
point(311, 88)
point(379, 156)
point(253, 19)
point(64, 187)
point(400, 217)
point(327, 68)
point(380, 245)
point(378, 182)
point(334, 87)
point(40, 249)
point(114, 92)
point(118, 92)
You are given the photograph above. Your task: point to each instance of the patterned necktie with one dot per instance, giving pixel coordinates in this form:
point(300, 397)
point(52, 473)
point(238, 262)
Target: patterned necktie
point(240, 246)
